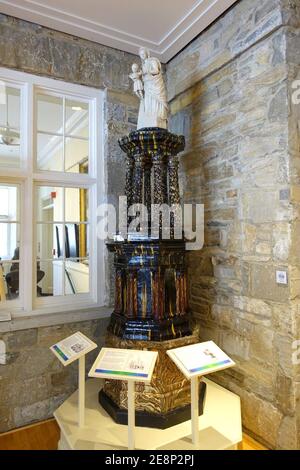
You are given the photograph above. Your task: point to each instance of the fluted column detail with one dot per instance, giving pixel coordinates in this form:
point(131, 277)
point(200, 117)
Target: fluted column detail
point(174, 196)
point(129, 180)
point(138, 181)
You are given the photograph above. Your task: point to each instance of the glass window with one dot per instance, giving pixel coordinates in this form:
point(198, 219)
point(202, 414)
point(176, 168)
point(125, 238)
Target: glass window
point(51, 128)
point(62, 134)
point(9, 242)
point(10, 137)
point(62, 239)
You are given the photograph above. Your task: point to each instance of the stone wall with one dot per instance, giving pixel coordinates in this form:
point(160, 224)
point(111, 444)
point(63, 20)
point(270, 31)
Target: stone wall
point(33, 383)
point(229, 94)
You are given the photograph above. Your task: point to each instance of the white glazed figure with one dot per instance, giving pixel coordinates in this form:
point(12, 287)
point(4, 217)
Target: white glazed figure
point(153, 101)
point(136, 77)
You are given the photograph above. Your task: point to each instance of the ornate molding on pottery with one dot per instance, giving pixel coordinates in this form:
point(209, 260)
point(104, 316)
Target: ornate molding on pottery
point(164, 402)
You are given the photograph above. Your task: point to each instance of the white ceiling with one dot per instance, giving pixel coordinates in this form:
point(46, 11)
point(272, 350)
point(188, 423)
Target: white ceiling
point(164, 26)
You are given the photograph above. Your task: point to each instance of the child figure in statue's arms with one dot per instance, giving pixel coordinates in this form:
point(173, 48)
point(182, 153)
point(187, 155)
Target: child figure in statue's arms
point(136, 77)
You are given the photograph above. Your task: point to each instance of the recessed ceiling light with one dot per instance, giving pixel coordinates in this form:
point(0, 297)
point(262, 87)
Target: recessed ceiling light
point(76, 108)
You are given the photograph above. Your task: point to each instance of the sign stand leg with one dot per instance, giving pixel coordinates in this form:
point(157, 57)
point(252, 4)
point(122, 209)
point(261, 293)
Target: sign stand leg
point(131, 414)
point(195, 410)
point(81, 391)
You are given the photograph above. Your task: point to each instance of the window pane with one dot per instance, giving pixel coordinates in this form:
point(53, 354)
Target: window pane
point(83, 235)
point(76, 240)
point(9, 126)
point(9, 203)
point(50, 278)
point(77, 277)
point(50, 241)
point(50, 114)
point(76, 155)
point(77, 119)
point(9, 241)
point(50, 204)
point(76, 204)
point(10, 107)
point(9, 155)
point(9, 281)
point(50, 152)
point(4, 210)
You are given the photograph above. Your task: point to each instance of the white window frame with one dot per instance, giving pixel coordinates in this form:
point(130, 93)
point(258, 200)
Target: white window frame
point(28, 178)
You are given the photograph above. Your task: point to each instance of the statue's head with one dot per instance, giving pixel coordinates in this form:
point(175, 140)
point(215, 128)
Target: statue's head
point(144, 53)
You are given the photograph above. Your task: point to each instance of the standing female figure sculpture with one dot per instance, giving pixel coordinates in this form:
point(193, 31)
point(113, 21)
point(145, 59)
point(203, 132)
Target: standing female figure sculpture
point(153, 102)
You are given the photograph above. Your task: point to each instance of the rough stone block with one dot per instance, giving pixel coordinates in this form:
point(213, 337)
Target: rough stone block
point(235, 345)
point(262, 344)
point(261, 418)
point(285, 394)
point(23, 339)
point(264, 284)
point(287, 435)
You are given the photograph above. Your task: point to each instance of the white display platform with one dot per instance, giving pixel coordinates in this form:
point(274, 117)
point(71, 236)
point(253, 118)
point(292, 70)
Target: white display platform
point(220, 427)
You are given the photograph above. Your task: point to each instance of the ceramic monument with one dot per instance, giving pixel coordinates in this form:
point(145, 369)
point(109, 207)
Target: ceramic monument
point(151, 306)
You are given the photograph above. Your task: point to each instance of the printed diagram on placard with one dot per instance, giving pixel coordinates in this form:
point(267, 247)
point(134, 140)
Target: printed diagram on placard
point(201, 358)
point(71, 348)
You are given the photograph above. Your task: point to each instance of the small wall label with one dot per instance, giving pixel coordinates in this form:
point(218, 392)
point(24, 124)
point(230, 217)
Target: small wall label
point(282, 277)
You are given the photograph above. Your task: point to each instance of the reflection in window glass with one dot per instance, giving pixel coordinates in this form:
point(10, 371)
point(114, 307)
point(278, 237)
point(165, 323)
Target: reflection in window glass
point(9, 127)
point(76, 155)
point(77, 276)
point(9, 226)
point(50, 278)
point(62, 240)
point(9, 281)
point(50, 152)
point(50, 202)
point(9, 241)
point(10, 107)
point(77, 119)
point(50, 241)
point(50, 114)
point(9, 204)
point(76, 204)
point(60, 278)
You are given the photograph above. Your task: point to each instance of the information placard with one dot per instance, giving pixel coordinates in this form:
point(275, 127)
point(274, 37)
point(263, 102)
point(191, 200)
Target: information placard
point(72, 348)
point(124, 364)
point(200, 359)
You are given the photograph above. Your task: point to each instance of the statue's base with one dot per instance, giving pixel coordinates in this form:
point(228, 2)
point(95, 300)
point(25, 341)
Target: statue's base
point(152, 420)
point(166, 401)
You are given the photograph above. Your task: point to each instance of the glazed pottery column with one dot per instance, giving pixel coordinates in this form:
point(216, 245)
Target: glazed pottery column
point(151, 310)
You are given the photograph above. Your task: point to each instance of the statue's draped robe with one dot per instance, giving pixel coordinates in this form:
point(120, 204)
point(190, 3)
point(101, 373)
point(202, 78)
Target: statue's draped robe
point(154, 108)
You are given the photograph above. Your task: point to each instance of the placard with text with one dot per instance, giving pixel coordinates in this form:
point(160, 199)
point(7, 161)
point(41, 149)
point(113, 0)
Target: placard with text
point(72, 348)
point(124, 364)
point(200, 359)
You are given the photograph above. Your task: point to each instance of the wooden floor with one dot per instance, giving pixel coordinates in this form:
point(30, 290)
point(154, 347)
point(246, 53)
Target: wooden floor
point(40, 436)
point(45, 436)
